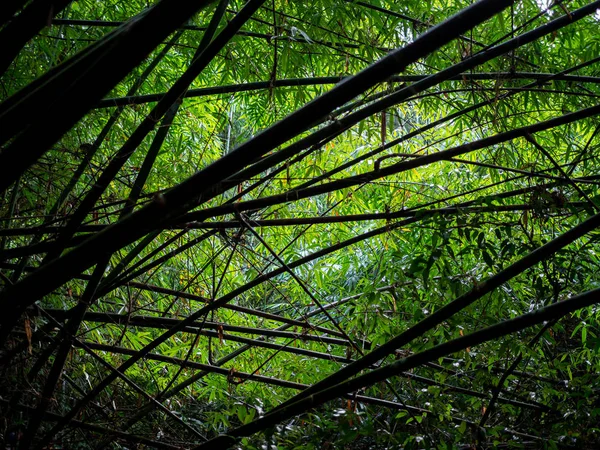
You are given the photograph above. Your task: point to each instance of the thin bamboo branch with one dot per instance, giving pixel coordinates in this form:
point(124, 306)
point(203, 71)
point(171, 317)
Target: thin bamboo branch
point(319, 81)
point(165, 322)
point(509, 371)
point(545, 152)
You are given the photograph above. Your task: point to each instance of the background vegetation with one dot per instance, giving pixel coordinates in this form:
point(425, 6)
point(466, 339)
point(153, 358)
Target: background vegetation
point(207, 208)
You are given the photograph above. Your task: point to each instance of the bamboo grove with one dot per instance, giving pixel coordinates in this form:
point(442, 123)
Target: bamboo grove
point(273, 224)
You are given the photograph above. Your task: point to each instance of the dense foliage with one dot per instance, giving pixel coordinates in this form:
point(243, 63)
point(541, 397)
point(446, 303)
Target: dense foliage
point(171, 272)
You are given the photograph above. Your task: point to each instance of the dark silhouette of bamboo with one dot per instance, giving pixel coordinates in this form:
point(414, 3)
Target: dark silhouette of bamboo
point(51, 105)
point(331, 391)
point(201, 61)
point(8, 9)
point(128, 229)
point(539, 254)
point(93, 148)
point(165, 322)
point(200, 225)
point(174, 200)
point(127, 437)
point(90, 294)
point(37, 15)
point(403, 94)
point(293, 385)
point(297, 194)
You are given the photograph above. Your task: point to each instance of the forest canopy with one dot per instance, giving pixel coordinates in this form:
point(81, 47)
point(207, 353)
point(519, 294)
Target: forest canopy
point(299, 225)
